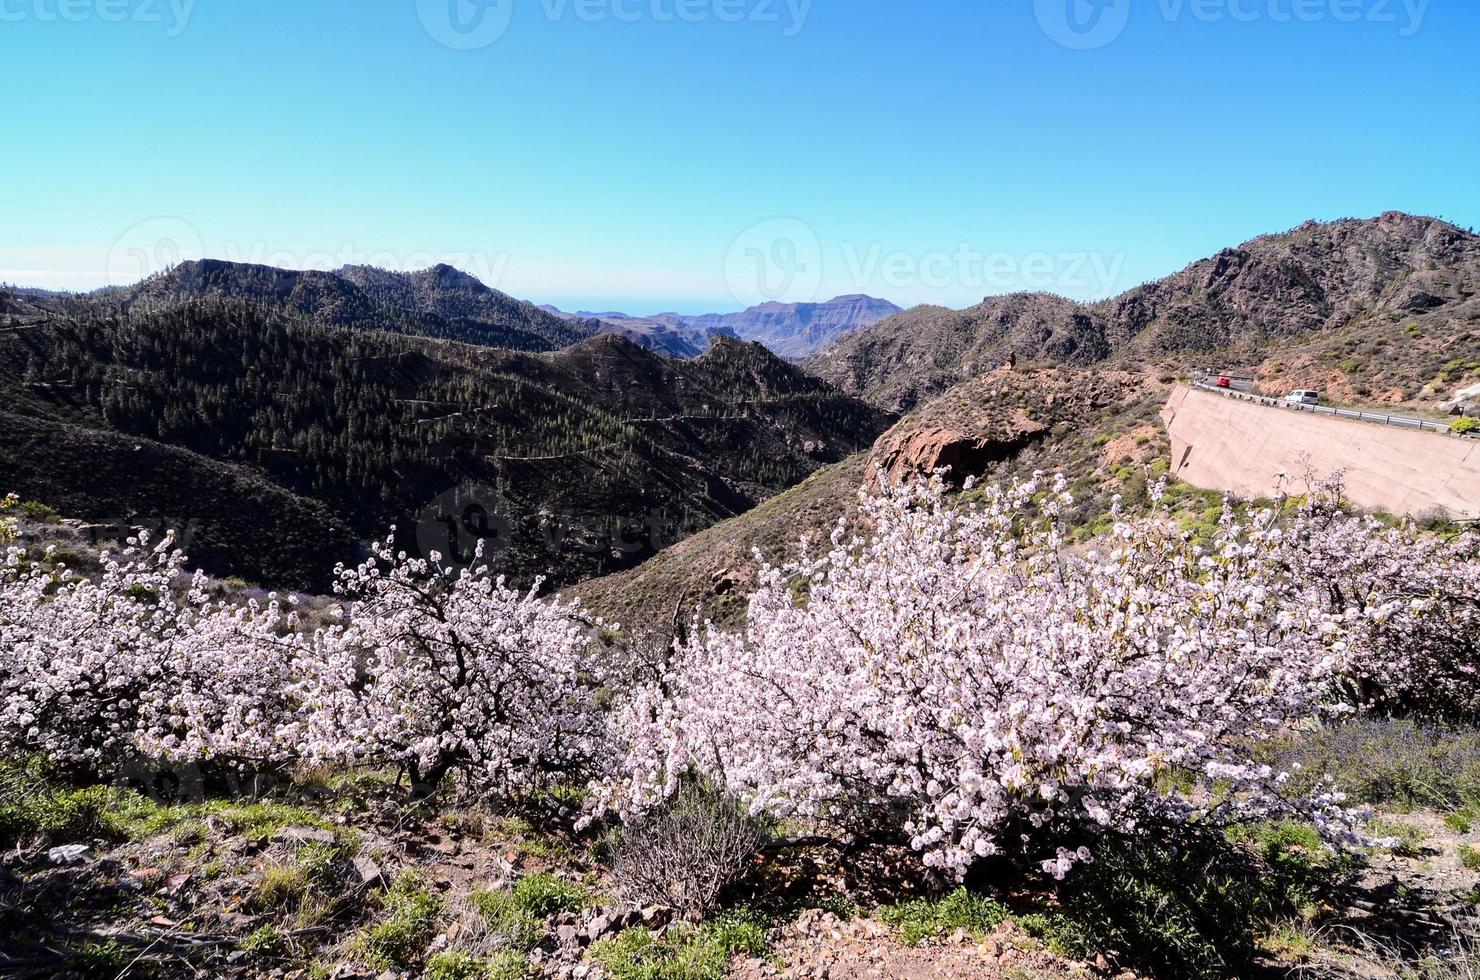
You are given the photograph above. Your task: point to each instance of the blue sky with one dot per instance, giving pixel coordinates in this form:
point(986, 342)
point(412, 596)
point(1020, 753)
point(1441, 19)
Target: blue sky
point(704, 154)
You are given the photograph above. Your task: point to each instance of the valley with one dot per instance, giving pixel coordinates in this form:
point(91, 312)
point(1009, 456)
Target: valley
point(751, 549)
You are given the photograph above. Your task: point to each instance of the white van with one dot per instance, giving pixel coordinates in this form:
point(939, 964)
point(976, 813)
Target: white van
point(1303, 396)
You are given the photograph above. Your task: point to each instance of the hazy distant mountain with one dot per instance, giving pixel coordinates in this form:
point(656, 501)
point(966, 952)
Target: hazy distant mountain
point(1371, 308)
point(793, 330)
point(797, 329)
point(668, 337)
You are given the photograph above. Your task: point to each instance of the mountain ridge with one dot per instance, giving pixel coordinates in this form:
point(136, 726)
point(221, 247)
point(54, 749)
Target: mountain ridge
point(1293, 287)
point(591, 456)
point(792, 330)
point(440, 302)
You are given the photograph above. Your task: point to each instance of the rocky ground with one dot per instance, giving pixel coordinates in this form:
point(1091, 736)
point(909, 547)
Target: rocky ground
point(353, 884)
point(820, 945)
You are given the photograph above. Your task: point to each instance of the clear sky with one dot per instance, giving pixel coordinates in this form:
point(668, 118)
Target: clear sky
point(698, 155)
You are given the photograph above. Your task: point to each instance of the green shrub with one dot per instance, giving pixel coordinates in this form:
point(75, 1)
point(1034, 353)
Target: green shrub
point(542, 895)
point(518, 928)
point(505, 965)
point(72, 559)
point(103, 961)
point(265, 939)
point(280, 886)
point(407, 923)
point(1465, 424)
point(1187, 905)
point(1289, 943)
point(1386, 762)
point(39, 512)
point(685, 952)
point(923, 919)
point(1469, 857)
point(1460, 820)
point(33, 805)
point(1409, 840)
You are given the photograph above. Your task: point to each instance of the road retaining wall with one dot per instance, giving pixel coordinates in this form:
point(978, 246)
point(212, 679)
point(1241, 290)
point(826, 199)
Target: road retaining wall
point(1221, 443)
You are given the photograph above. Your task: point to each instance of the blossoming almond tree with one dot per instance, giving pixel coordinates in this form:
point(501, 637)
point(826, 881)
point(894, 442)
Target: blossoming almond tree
point(1420, 598)
point(444, 672)
point(959, 676)
point(96, 671)
point(230, 668)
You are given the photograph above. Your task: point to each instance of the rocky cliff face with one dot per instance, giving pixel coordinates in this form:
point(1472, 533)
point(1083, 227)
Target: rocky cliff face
point(991, 419)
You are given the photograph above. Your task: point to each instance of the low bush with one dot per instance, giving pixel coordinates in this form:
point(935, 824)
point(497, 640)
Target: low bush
point(103, 961)
point(542, 895)
point(1381, 761)
point(465, 966)
point(685, 952)
point(34, 806)
point(1463, 425)
point(515, 919)
point(1187, 905)
point(1399, 837)
point(39, 512)
point(687, 853)
point(406, 923)
point(923, 919)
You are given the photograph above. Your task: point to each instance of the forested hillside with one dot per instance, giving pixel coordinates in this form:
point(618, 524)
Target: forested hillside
point(575, 463)
point(437, 302)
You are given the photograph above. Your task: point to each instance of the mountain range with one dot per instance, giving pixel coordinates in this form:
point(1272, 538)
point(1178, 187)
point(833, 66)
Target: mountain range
point(1341, 287)
point(794, 330)
point(1384, 309)
point(287, 416)
point(440, 302)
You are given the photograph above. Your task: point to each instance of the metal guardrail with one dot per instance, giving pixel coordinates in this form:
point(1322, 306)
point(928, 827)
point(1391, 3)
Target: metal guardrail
point(1346, 413)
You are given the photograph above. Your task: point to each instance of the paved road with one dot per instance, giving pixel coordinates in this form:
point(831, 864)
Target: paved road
point(1404, 421)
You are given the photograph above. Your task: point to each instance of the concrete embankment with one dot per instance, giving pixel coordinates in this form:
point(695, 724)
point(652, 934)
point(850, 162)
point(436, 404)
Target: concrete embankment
point(1222, 443)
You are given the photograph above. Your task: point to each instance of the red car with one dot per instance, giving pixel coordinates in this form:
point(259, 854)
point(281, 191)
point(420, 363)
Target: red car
point(1224, 381)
